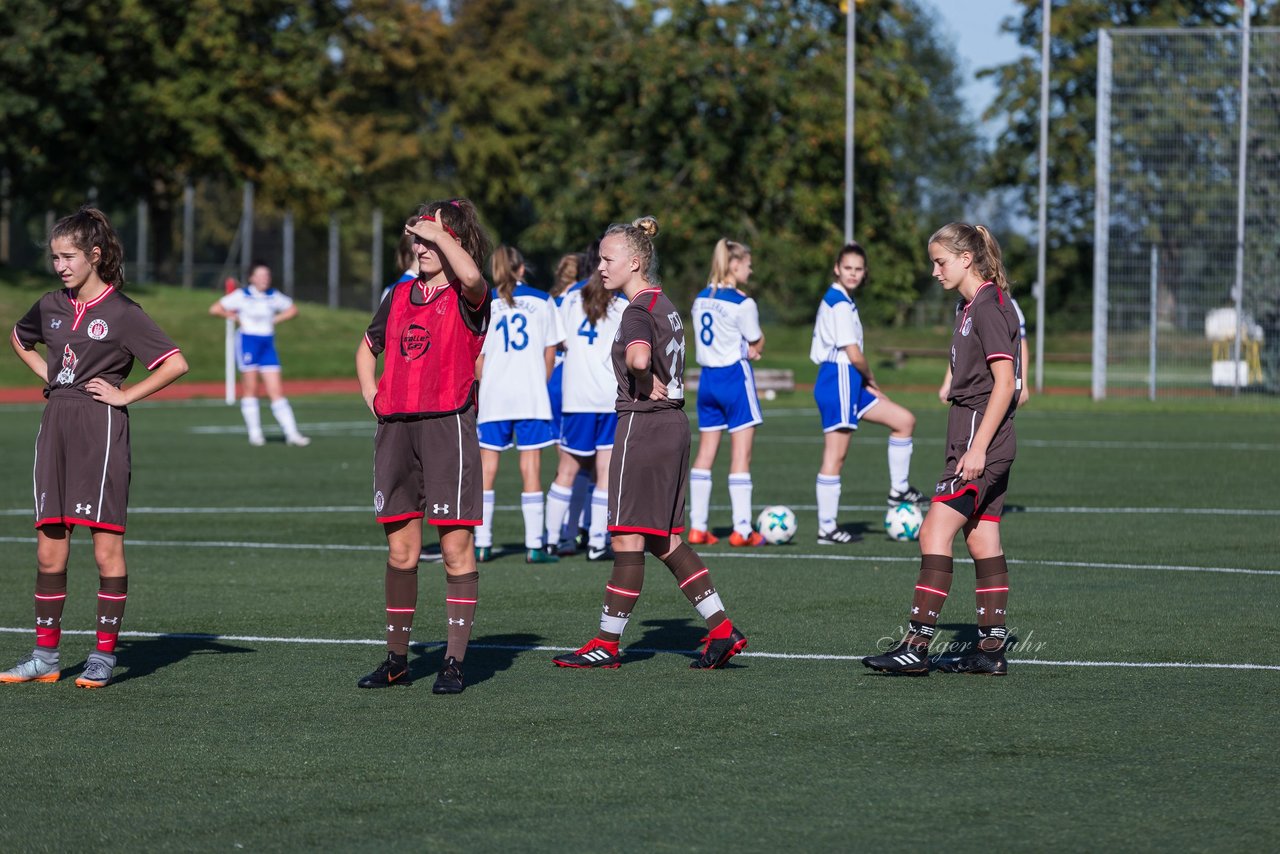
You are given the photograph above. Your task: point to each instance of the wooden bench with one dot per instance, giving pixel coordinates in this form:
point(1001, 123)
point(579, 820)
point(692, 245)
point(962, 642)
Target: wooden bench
point(767, 379)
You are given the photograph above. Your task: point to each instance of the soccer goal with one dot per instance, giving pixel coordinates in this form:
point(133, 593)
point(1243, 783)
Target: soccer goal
point(1169, 319)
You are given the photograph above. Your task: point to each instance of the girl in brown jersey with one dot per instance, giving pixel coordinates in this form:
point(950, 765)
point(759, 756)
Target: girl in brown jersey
point(92, 334)
point(426, 453)
point(648, 471)
point(986, 375)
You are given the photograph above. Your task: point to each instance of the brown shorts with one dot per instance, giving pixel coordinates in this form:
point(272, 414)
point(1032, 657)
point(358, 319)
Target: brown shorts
point(649, 472)
point(429, 467)
point(82, 464)
point(982, 498)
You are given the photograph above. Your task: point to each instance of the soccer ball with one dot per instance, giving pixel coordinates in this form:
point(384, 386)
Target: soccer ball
point(902, 523)
point(777, 525)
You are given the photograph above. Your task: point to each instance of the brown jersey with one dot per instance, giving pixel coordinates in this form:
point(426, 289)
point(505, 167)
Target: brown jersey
point(986, 331)
point(98, 338)
point(650, 320)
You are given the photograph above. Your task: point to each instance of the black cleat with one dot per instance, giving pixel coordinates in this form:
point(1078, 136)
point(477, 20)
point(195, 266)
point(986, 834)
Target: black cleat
point(595, 653)
point(980, 662)
point(906, 660)
point(836, 537)
point(718, 651)
point(393, 671)
point(450, 679)
point(594, 553)
point(910, 495)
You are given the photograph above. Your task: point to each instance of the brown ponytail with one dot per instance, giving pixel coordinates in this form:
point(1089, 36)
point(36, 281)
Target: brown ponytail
point(978, 241)
point(507, 262)
point(462, 217)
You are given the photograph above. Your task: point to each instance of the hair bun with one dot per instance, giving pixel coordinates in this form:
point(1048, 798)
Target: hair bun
point(647, 224)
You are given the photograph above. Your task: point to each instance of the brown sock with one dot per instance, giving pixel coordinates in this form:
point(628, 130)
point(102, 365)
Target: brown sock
point(402, 600)
point(621, 594)
point(51, 595)
point(932, 586)
point(992, 601)
point(695, 580)
point(460, 596)
point(112, 593)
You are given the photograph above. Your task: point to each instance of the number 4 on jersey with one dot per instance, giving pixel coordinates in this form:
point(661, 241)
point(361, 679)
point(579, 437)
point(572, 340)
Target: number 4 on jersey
point(587, 331)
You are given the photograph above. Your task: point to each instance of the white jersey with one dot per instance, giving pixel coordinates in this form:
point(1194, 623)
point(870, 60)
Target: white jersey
point(589, 383)
point(514, 384)
point(725, 321)
point(256, 310)
point(836, 327)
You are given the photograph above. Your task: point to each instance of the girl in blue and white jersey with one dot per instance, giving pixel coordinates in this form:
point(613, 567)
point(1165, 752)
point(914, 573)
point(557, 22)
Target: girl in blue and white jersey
point(846, 393)
point(514, 407)
point(590, 316)
point(726, 327)
point(257, 308)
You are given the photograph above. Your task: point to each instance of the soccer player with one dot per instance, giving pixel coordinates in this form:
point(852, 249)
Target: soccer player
point(515, 408)
point(727, 331)
point(986, 376)
point(92, 334)
point(591, 316)
point(257, 308)
point(650, 463)
point(847, 394)
point(426, 458)
point(406, 260)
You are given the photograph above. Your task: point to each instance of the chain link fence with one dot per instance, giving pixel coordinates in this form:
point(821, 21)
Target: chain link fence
point(1169, 320)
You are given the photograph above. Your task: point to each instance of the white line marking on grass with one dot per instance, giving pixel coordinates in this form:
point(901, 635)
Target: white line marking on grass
point(783, 656)
point(779, 555)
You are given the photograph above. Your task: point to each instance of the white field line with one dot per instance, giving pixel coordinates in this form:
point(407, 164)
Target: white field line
point(731, 556)
point(858, 508)
point(785, 656)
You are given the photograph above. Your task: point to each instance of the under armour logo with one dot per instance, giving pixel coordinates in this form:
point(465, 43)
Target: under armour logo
point(982, 611)
point(108, 621)
point(458, 622)
point(55, 323)
point(84, 508)
point(44, 621)
point(915, 609)
point(391, 628)
point(440, 509)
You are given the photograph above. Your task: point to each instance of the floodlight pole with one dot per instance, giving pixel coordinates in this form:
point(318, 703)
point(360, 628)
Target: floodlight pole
point(851, 18)
point(1241, 165)
point(1043, 227)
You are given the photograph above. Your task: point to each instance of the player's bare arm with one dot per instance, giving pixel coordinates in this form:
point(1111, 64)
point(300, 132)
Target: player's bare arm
point(638, 363)
point(755, 349)
point(859, 360)
point(288, 314)
point(169, 370)
point(972, 463)
point(366, 373)
point(454, 256)
point(218, 310)
point(33, 360)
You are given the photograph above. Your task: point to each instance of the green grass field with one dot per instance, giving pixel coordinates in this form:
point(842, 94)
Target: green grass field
point(1136, 714)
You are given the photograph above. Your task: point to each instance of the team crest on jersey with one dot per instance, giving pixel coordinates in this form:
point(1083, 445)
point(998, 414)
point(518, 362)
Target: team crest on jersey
point(97, 329)
point(378, 501)
point(67, 375)
point(966, 327)
point(415, 342)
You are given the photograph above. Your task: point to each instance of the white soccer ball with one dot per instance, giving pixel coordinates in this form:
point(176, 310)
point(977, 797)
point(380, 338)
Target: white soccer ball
point(902, 523)
point(776, 524)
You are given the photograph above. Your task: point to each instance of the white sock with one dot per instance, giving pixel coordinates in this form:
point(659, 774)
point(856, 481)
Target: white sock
point(899, 463)
point(558, 498)
point(740, 501)
point(252, 417)
point(531, 507)
point(599, 518)
point(579, 506)
point(283, 412)
point(828, 502)
point(699, 498)
point(484, 533)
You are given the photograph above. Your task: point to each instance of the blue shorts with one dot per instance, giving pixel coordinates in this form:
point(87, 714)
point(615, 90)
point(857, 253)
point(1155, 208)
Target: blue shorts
point(529, 434)
point(841, 396)
point(256, 352)
point(584, 433)
point(555, 391)
point(727, 398)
